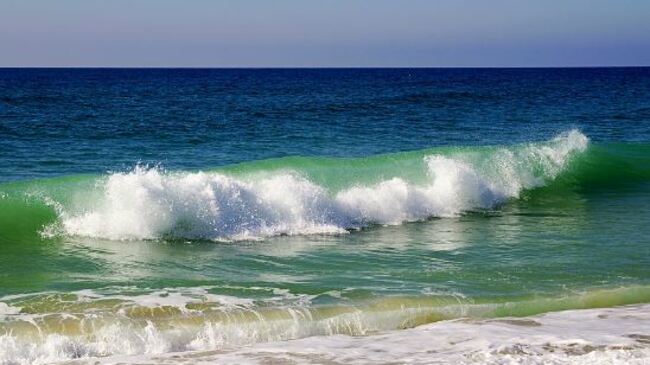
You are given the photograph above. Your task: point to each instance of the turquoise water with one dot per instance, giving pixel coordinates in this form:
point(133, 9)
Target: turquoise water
point(219, 255)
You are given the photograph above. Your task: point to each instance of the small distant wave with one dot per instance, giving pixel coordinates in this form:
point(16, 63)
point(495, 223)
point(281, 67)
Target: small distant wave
point(153, 204)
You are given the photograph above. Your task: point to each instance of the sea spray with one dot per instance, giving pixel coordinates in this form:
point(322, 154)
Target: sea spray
point(151, 204)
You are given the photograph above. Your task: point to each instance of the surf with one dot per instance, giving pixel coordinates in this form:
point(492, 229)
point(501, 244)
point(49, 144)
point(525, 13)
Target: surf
point(309, 195)
point(45, 327)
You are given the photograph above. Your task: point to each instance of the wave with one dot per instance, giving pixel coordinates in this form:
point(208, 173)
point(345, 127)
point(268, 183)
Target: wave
point(596, 336)
point(301, 195)
point(151, 204)
point(47, 327)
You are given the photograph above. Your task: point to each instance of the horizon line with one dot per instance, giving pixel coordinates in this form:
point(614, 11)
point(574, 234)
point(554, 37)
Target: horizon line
point(320, 67)
point(313, 67)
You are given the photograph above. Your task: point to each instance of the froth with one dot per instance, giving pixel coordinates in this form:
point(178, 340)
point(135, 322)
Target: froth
point(607, 336)
point(156, 323)
point(152, 204)
point(594, 336)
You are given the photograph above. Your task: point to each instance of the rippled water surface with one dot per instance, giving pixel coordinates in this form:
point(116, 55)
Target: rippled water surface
point(198, 211)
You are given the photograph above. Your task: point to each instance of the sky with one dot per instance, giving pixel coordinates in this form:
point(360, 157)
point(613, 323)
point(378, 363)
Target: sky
point(326, 33)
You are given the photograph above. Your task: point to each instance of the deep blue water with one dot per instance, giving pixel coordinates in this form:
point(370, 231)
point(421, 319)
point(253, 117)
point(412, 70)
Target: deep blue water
point(65, 121)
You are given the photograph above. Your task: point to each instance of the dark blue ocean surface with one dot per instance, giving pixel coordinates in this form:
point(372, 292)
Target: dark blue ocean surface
point(68, 121)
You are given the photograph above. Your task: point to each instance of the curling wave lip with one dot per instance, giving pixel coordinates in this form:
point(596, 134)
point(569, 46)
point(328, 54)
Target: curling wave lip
point(152, 204)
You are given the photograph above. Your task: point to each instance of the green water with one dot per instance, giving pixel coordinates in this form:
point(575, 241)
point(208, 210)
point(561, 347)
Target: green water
point(534, 228)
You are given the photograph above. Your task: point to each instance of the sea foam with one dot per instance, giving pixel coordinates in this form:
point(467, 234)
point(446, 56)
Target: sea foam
point(595, 336)
point(152, 204)
point(588, 336)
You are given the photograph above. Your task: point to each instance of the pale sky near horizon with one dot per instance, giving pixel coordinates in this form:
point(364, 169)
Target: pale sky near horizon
point(328, 33)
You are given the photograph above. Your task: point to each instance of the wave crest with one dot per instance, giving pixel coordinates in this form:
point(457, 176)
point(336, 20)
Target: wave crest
point(152, 204)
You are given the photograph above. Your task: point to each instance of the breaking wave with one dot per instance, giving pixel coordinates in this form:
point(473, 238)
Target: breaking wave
point(148, 203)
point(87, 325)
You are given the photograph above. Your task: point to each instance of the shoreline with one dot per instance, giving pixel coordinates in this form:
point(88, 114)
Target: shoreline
point(587, 336)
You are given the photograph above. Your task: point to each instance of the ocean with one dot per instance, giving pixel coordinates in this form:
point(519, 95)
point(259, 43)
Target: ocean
point(324, 216)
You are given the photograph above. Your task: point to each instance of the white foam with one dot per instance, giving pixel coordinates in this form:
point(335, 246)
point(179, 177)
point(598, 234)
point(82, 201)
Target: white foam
point(6, 309)
point(596, 336)
point(177, 297)
point(151, 204)
point(240, 334)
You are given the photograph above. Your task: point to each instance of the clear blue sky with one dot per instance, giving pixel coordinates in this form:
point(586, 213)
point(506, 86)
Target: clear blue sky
point(324, 33)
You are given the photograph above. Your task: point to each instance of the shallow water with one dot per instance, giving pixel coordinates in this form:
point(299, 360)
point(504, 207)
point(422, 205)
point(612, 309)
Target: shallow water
point(596, 336)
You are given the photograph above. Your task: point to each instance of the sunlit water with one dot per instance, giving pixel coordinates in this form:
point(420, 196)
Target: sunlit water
point(174, 216)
